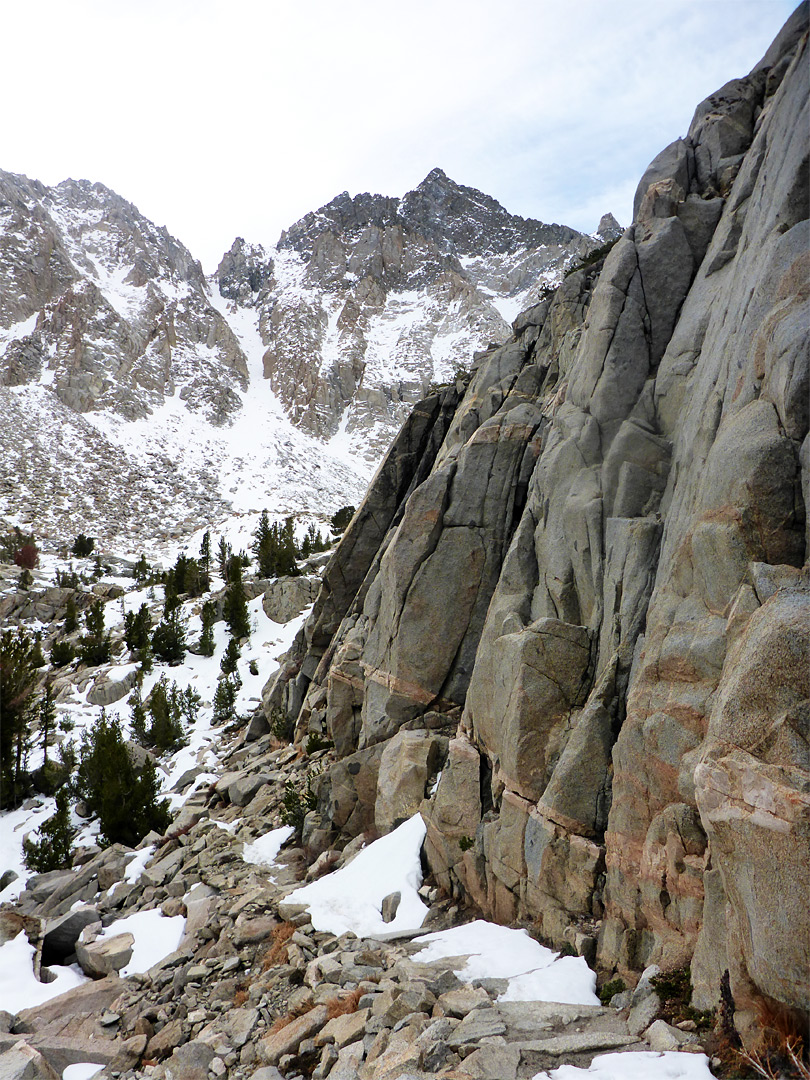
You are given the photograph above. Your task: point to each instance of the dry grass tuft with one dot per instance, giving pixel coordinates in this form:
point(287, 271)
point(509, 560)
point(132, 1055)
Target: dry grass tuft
point(342, 1006)
point(240, 997)
point(277, 953)
point(781, 1048)
point(281, 1022)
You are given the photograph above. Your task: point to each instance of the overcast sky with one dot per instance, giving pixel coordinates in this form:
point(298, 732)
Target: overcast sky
point(220, 118)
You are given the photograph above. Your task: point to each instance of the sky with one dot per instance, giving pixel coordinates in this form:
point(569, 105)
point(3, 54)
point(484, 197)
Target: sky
point(220, 118)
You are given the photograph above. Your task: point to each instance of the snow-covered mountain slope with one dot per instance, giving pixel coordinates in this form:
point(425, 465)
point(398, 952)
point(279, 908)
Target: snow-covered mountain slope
point(139, 399)
point(368, 301)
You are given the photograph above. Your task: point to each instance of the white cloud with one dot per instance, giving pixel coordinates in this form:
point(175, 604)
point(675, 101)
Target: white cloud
point(218, 119)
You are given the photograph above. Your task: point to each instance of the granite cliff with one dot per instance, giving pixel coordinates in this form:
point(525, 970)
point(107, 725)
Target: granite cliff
point(570, 622)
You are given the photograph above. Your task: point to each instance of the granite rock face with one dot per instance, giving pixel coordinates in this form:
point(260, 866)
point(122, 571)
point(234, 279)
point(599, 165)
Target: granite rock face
point(589, 600)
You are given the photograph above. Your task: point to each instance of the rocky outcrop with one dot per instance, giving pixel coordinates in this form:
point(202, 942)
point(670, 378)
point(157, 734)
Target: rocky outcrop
point(121, 307)
point(583, 631)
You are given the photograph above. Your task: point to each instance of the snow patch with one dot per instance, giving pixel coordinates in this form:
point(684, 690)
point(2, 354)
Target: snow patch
point(350, 899)
point(644, 1065)
point(155, 938)
point(535, 973)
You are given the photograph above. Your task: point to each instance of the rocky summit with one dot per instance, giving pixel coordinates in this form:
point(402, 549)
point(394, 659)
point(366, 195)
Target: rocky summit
point(367, 301)
point(563, 646)
point(118, 358)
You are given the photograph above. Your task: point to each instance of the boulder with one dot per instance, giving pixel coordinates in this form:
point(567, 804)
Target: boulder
point(103, 956)
point(287, 597)
point(106, 690)
point(286, 1041)
point(61, 934)
point(409, 759)
point(23, 1062)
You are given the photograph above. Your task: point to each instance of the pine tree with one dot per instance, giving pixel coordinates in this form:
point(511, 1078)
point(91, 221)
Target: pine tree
point(142, 571)
point(237, 616)
point(137, 724)
point(18, 679)
point(225, 698)
point(169, 639)
point(208, 616)
point(205, 552)
point(47, 718)
point(123, 797)
point(145, 657)
point(71, 621)
point(230, 658)
point(264, 547)
point(37, 656)
point(166, 730)
point(287, 550)
point(224, 553)
point(95, 647)
point(54, 849)
point(341, 519)
point(171, 597)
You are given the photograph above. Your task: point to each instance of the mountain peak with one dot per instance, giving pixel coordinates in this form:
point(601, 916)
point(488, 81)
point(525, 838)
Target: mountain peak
point(437, 176)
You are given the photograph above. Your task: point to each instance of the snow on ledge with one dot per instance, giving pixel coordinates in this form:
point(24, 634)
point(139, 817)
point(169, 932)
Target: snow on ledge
point(644, 1065)
point(264, 849)
point(350, 899)
point(155, 938)
point(535, 973)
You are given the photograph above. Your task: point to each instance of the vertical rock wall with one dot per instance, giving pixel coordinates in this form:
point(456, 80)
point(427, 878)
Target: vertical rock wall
point(576, 635)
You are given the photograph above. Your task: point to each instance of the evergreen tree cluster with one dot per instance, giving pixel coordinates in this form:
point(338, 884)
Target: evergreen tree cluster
point(187, 577)
point(123, 796)
point(62, 652)
point(68, 579)
point(83, 546)
point(137, 627)
point(161, 722)
point(276, 549)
